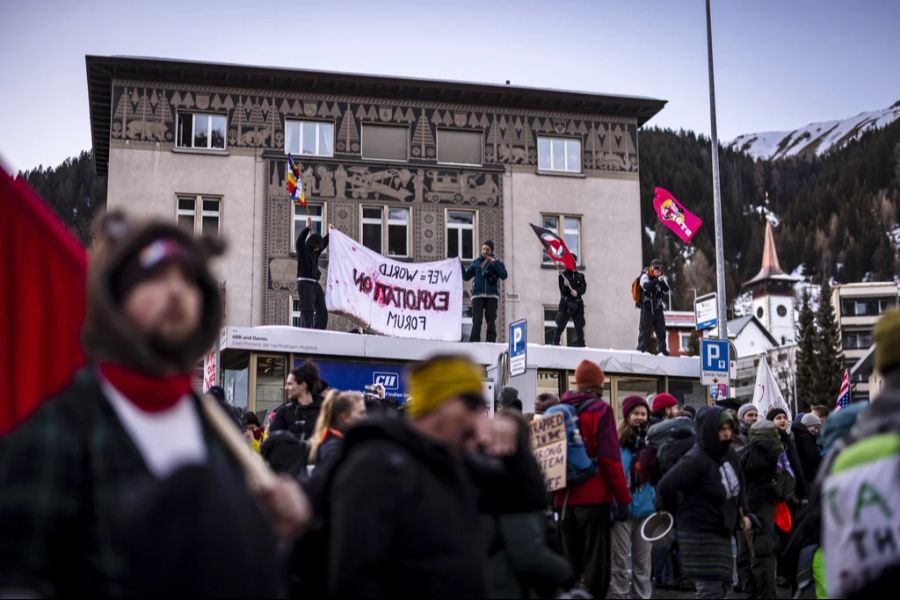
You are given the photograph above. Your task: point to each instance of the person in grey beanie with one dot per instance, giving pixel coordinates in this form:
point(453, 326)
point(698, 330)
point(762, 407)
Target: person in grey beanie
point(807, 436)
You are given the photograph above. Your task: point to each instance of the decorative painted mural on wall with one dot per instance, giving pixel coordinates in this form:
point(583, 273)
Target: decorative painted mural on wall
point(401, 183)
point(147, 113)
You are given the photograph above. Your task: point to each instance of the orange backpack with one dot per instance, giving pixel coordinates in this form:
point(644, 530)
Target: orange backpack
point(636, 291)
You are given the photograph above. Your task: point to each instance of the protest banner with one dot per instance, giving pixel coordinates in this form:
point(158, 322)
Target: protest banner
point(413, 300)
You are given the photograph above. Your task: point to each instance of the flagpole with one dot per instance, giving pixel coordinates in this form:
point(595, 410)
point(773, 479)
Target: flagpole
point(717, 193)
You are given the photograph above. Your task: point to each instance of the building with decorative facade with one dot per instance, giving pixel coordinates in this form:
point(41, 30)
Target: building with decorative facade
point(417, 170)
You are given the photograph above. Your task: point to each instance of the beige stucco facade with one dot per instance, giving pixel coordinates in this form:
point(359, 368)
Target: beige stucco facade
point(141, 109)
point(609, 209)
point(146, 180)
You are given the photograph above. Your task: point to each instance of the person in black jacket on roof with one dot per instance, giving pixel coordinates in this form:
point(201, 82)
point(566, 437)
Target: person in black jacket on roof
point(653, 288)
point(572, 286)
point(313, 313)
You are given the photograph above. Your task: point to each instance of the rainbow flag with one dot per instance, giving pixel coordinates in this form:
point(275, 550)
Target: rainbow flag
point(295, 182)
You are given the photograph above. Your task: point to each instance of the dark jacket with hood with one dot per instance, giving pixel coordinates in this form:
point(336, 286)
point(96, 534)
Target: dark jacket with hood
point(807, 452)
point(596, 423)
point(404, 518)
point(72, 511)
point(307, 259)
point(705, 505)
point(297, 418)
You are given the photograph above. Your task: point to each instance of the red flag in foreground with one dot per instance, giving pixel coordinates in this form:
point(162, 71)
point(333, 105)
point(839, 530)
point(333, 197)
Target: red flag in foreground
point(555, 246)
point(674, 215)
point(43, 269)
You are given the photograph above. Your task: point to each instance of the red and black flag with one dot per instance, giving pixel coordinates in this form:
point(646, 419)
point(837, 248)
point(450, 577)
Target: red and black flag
point(555, 246)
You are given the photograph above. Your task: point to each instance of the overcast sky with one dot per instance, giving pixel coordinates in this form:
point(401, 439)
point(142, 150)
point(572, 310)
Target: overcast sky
point(780, 64)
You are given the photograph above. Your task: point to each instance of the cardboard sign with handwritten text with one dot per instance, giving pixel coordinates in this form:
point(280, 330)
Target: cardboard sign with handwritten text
point(548, 439)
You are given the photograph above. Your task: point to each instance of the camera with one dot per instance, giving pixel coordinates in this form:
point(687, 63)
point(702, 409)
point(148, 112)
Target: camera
point(374, 391)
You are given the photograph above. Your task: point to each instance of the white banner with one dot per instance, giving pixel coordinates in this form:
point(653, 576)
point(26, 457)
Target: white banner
point(766, 394)
point(413, 300)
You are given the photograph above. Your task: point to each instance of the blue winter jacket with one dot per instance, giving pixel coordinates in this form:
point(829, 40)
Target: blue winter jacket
point(643, 498)
point(486, 280)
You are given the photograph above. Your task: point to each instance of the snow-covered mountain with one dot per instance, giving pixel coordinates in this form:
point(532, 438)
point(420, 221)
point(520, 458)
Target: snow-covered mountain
point(815, 138)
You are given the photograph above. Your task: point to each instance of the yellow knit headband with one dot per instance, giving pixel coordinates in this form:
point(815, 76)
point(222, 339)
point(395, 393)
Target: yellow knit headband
point(440, 379)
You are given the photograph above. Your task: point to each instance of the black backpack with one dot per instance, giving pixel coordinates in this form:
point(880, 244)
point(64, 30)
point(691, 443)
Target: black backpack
point(671, 439)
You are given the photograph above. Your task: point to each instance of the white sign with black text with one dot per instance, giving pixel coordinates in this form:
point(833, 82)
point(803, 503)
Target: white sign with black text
point(412, 300)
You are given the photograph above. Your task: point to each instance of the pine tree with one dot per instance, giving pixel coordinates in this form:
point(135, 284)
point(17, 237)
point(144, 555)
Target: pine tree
point(829, 358)
point(693, 348)
point(422, 137)
point(806, 355)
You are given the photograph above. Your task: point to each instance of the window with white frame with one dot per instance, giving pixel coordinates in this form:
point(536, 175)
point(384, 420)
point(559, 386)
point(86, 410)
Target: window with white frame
point(559, 154)
point(295, 311)
point(199, 214)
point(684, 342)
point(386, 228)
point(461, 234)
point(201, 130)
point(550, 313)
point(371, 229)
point(397, 231)
point(571, 233)
point(309, 138)
point(316, 212)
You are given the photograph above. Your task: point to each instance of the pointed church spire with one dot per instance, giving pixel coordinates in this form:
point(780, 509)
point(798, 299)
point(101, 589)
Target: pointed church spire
point(770, 267)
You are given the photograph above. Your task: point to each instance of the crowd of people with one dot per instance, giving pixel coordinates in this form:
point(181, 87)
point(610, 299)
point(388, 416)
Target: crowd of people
point(125, 485)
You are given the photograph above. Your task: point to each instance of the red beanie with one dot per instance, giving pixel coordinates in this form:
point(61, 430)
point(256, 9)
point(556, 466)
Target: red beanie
point(663, 401)
point(588, 374)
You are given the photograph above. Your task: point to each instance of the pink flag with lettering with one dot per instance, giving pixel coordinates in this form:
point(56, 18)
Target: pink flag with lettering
point(674, 215)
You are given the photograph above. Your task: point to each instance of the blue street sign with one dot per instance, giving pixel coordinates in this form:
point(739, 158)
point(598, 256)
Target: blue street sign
point(714, 358)
point(518, 347)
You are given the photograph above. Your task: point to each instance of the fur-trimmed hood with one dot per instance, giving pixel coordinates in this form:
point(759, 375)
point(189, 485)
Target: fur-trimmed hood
point(108, 336)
